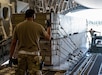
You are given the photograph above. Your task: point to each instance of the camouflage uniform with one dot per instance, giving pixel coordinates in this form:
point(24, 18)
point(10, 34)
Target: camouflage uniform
point(30, 63)
point(28, 34)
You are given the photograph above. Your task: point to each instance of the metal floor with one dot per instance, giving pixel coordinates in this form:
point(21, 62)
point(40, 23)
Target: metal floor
point(94, 69)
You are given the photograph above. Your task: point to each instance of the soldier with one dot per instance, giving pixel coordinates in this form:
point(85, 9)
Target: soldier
point(92, 32)
point(27, 34)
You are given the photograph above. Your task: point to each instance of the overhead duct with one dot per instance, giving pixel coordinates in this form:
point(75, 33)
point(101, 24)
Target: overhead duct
point(5, 13)
point(90, 3)
point(5, 9)
point(5, 2)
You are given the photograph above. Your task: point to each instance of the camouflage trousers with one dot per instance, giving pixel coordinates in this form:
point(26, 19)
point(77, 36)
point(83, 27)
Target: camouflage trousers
point(28, 63)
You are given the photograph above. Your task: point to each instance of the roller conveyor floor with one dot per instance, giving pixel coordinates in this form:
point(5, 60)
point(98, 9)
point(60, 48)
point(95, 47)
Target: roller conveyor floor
point(96, 68)
point(91, 66)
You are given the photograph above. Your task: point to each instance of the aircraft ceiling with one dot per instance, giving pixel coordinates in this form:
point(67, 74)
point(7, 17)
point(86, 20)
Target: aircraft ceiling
point(59, 6)
point(90, 3)
point(49, 5)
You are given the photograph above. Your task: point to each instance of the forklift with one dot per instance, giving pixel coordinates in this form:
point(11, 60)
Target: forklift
point(96, 44)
